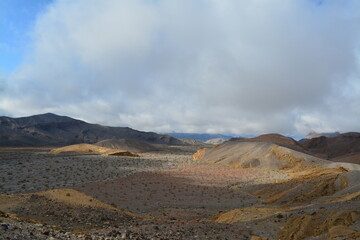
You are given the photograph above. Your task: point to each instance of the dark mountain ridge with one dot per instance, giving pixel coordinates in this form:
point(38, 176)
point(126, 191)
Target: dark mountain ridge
point(53, 130)
point(274, 138)
point(333, 147)
point(199, 136)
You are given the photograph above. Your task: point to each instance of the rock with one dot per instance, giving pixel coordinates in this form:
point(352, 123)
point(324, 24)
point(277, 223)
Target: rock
point(343, 232)
point(125, 234)
point(4, 226)
point(258, 238)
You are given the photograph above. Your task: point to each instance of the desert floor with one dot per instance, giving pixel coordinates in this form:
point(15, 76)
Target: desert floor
point(163, 195)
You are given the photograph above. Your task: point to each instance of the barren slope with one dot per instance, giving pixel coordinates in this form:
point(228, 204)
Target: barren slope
point(276, 139)
point(65, 208)
point(254, 155)
point(346, 145)
point(53, 130)
point(317, 192)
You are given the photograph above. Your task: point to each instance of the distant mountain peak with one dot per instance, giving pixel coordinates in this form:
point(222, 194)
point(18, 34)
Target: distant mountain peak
point(48, 114)
point(314, 134)
point(199, 136)
point(49, 129)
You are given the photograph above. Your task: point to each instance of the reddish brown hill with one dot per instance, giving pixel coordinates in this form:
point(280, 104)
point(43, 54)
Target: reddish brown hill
point(341, 146)
point(276, 139)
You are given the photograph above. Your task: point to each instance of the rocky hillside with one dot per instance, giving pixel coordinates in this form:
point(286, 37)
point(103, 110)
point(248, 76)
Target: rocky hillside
point(255, 155)
point(273, 138)
point(338, 148)
point(53, 130)
point(346, 145)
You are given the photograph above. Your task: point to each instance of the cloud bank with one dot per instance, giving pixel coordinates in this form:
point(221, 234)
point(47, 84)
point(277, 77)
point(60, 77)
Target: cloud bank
point(194, 66)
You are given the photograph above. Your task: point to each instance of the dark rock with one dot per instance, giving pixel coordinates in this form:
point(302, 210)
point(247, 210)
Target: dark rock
point(4, 226)
point(88, 237)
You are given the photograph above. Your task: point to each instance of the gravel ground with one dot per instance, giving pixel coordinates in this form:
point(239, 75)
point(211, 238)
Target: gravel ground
point(12, 229)
point(35, 170)
point(172, 197)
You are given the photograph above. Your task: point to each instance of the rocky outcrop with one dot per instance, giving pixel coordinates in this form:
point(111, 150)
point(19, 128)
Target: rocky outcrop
point(199, 154)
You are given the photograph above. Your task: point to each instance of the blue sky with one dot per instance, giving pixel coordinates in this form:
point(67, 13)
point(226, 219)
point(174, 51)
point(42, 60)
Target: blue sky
point(17, 18)
point(241, 67)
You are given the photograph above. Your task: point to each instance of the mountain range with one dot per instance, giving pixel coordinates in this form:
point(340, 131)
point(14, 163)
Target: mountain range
point(343, 147)
point(199, 136)
point(323, 134)
point(52, 130)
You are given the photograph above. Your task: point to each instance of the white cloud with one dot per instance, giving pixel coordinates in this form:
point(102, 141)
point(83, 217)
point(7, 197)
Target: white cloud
point(201, 66)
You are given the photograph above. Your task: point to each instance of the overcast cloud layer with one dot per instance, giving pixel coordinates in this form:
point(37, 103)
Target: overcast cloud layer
point(194, 66)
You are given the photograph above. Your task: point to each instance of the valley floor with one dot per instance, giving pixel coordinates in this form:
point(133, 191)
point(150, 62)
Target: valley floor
point(166, 195)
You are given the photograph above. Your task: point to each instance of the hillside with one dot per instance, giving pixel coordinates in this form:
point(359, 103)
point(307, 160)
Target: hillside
point(323, 134)
point(53, 130)
point(254, 155)
point(53, 205)
point(215, 141)
point(127, 145)
point(193, 142)
point(273, 138)
point(346, 146)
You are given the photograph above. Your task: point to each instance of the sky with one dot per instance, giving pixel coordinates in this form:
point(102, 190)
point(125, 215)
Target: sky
point(201, 66)
point(16, 20)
